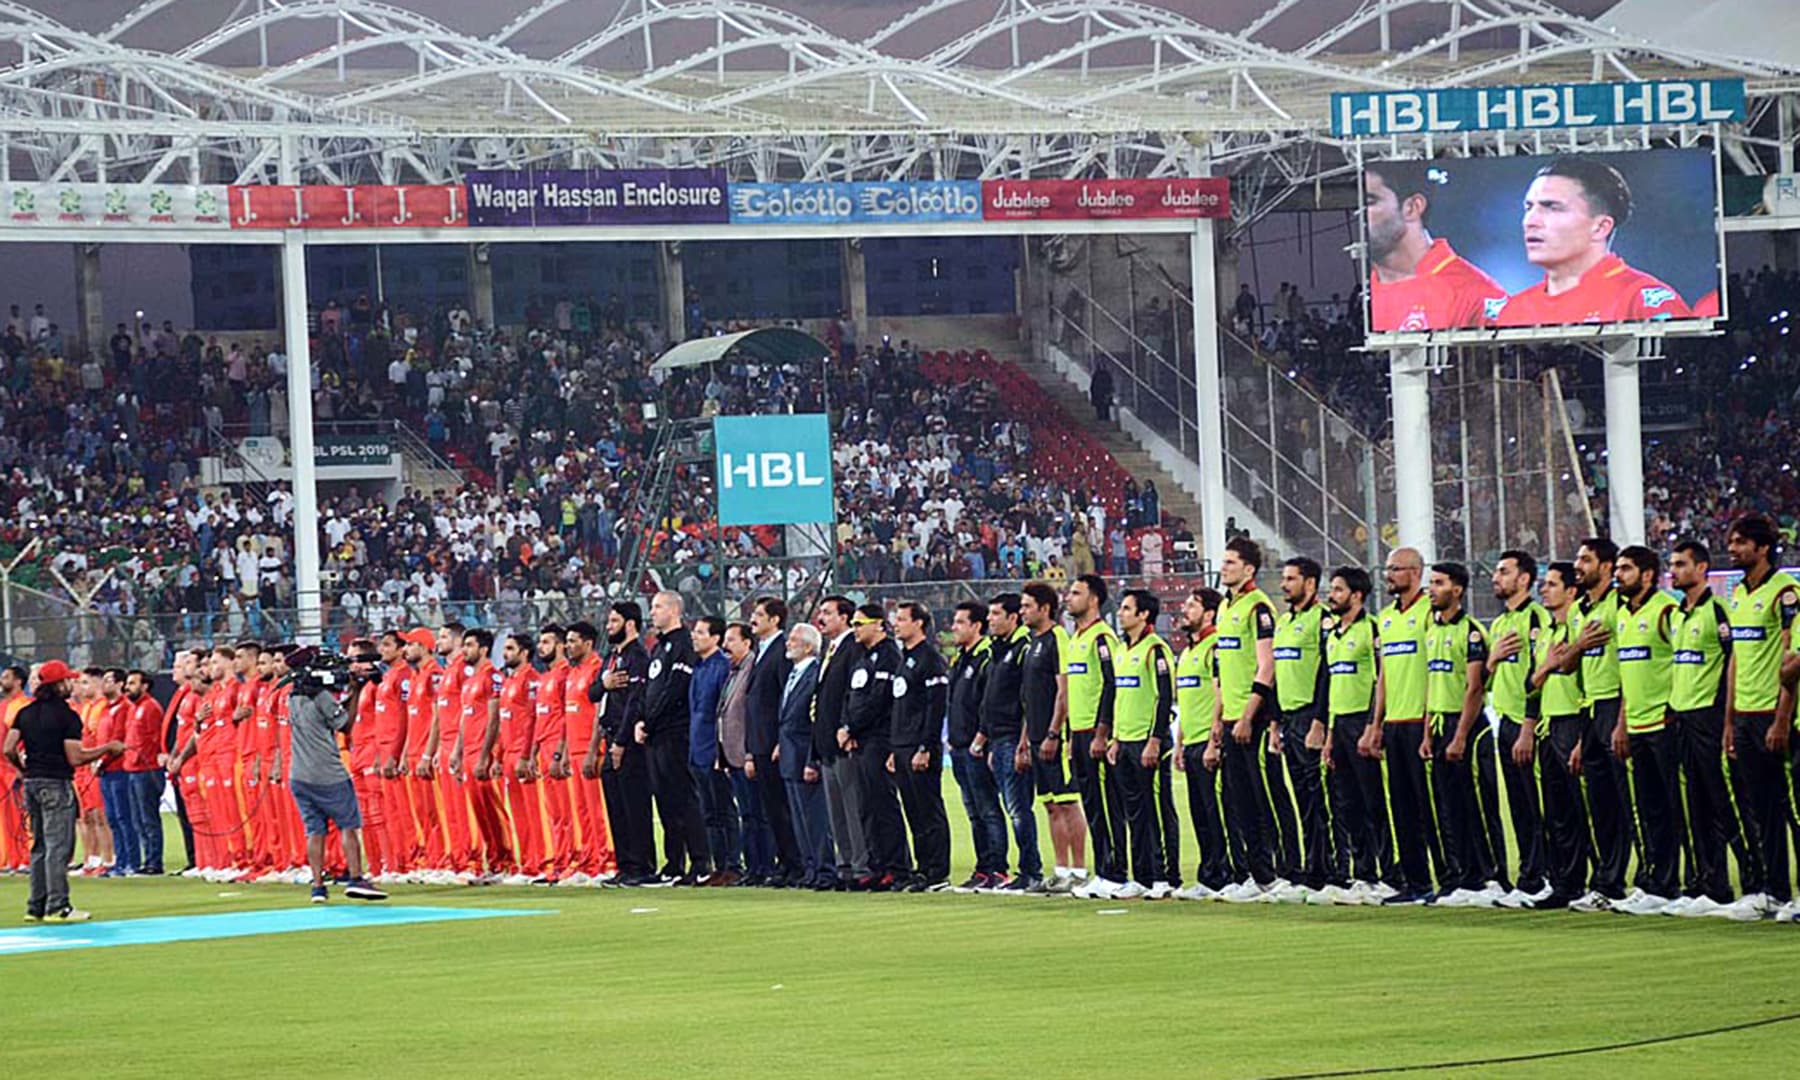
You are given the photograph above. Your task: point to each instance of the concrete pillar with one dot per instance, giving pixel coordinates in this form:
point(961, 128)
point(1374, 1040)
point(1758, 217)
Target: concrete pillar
point(670, 276)
point(1410, 377)
point(300, 438)
point(1209, 395)
point(1624, 442)
point(481, 285)
point(856, 285)
point(90, 313)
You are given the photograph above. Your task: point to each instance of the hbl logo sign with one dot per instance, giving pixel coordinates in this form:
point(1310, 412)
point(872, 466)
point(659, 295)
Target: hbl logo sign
point(773, 470)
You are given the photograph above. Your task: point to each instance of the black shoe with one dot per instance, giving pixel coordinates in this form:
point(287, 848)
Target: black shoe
point(915, 883)
point(865, 883)
point(151, 871)
point(360, 889)
point(824, 884)
point(753, 881)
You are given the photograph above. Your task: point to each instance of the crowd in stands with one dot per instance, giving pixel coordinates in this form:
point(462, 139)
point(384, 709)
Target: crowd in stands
point(951, 466)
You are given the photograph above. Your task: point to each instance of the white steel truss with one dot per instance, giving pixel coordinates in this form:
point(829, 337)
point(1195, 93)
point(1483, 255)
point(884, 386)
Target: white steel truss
point(367, 92)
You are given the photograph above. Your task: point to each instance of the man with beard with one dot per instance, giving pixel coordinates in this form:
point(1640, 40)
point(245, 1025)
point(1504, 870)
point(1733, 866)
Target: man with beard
point(980, 796)
point(474, 754)
point(1398, 732)
point(624, 777)
point(515, 760)
point(1045, 696)
point(1353, 699)
point(1460, 746)
point(1300, 691)
point(1643, 740)
point(1603, 776)
point(1196, 702)
point(1519, 634)
point(1245, 661)
point(916, 760)
point(550, 759)
point(420, 754)
point(1415, 281)
point(1089, 669)
point(1141, 742)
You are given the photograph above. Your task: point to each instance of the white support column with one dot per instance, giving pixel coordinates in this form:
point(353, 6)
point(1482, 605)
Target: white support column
point(1209, 405)
point(673, 277)
point(481, 285)
point(300, 437)
point(1410, 378)
point(90, 321)
point(1624, 443)
point(855, 285)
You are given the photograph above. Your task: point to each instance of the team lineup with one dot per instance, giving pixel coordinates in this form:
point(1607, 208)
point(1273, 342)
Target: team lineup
point(1334, 752)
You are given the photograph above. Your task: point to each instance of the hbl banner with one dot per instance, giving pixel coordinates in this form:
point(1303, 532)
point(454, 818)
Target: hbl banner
point(1537, 108)
point(773, 470)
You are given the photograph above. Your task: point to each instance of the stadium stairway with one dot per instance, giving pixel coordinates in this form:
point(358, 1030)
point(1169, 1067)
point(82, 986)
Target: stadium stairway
point(999, 336)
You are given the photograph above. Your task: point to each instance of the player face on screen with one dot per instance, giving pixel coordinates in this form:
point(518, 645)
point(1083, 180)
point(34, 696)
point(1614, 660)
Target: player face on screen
point(1396, 227)
point(1564, 235)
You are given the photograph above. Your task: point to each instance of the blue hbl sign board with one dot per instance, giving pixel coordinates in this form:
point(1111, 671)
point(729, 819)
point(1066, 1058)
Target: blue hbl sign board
point(773, 470)
point(1537, 108)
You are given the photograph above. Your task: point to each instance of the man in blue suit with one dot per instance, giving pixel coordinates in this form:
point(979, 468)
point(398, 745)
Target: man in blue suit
point(768, 676)
point(802, 773)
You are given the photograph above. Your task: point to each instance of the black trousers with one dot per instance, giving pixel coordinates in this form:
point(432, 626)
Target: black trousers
point(1763, 803)
point(881, 822)
point(1141, 791)
point(1170, 817)
point(1712, 815)
point(1288, 860)
point(677, 806)
point(626, 790)
point(922, 798)
point(1656, 795)
point(1608, 787)
point(1249, 817)
point(1524, 800)
point(1309, 800)
point(1466, 794)
point(772, 793)
point(187, 828)
point(1570, 842)
point(1214, 870)
point(1100, 805)
point(1409, 793)
point(1358, 806)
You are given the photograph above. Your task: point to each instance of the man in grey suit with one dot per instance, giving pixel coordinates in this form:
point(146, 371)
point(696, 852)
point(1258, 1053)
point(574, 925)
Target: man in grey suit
point(801, 772)
point(768, 675)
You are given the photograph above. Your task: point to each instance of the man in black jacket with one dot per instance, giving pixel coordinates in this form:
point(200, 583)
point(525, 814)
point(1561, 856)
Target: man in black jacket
point(981, 799)
point(916, 761)
point(1002, 726)
point(624, 775)
point(865, 737)
point(843, 783)
point(768, 676)
point(663, 732)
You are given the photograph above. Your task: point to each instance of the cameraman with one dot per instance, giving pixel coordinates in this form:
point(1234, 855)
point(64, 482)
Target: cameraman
point(316, 775)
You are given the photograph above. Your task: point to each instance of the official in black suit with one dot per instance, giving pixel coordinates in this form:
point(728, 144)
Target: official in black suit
point(801, 773)
point(843, 784)
point(768, 621)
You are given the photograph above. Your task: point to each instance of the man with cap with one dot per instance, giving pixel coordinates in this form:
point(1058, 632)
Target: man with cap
point(44, 744)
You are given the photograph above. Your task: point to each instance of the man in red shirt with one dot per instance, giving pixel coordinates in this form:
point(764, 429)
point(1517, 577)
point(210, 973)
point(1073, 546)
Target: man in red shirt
point(554, 771)
point(115, 783)
point(247, 664)
point(184, 764)
point(474, 753)
point(459, 855)
point(1416, 282)
point(366, 768)
point(516, 760)
point(395, 819)
point(218, 764)
point(1574, 209)
point(418, 765)
point(594, 855)
point(143, 769)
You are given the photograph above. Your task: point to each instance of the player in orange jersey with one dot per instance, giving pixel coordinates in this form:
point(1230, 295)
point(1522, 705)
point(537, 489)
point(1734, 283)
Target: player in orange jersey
point(554, 767)
point(252, 691)
point(475, 748)
point(1574, 210)
point(366, 757)
point(459, 854)
point(184, 763)
point(395, 817)
point(96, 837)
point(515, 763)
point(15, 841)
point(418, 765)
point(595, 854)
point(1415, 281)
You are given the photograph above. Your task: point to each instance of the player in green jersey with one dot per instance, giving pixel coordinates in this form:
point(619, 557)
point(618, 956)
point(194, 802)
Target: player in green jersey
point(1089, 669)
point(1142, 744)
point(1762, 610)
point(1244, 659)
point(1353, 779)
point(1603, 776)
point(1398, 730)
point(1561, 725)
point(1196, 700)
point(1518, 634)
point(1646, 637)
point(1300, 687)
point(1460, 745)
point(1697, 699)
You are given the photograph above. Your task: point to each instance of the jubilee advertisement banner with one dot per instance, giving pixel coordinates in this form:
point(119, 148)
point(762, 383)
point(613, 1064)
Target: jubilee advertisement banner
point(856, 202)
point(367, 206)
point(598, 197)
point(1081, 200)
point(80, 205)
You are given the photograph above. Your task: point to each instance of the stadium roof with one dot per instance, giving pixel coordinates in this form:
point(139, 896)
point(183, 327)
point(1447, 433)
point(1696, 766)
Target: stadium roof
point(348, 91)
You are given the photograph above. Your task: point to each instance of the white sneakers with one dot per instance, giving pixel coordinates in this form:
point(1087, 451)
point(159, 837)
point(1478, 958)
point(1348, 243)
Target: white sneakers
point(1282, 891)
point(1130, 890)
point(1788, 912)
point(1097, 888)
point(1591, 901)
point(1196, 891)
point(1641, 903)
point(1160, 890)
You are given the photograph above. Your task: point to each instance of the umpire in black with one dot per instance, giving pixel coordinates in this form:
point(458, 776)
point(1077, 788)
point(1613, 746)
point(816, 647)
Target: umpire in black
point(921, 700)
point(865, 737)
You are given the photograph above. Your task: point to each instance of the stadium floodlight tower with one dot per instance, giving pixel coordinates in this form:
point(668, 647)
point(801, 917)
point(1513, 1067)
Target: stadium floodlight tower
point(681, 477)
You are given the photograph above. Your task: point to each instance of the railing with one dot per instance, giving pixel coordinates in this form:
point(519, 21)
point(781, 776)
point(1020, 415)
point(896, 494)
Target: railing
point(86, 637)
point(1323, 487)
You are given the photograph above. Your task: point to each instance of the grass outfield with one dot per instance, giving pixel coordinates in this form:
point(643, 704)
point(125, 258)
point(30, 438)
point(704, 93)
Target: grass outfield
point(751, 983)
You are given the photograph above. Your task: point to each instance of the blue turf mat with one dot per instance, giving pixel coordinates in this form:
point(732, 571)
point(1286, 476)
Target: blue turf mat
point(98, 935)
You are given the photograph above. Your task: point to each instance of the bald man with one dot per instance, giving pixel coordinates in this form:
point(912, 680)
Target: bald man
point(1399, 730)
